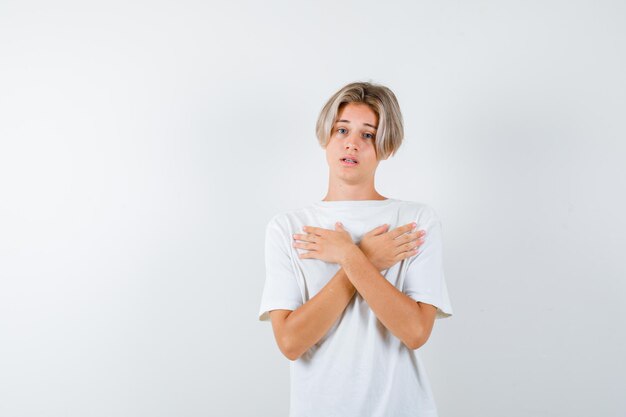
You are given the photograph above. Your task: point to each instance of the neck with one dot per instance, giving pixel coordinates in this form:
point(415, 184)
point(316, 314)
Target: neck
point(346, 192)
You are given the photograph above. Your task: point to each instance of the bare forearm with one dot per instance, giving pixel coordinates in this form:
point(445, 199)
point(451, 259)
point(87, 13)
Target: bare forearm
point(306, 325)
point(396, 311)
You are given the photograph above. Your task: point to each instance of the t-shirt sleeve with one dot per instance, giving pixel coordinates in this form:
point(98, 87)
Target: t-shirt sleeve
point(281, 290)
point(424, 280)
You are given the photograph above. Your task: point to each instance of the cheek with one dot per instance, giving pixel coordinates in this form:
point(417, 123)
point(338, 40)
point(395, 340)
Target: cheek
point(331, 152)
point(335, 148)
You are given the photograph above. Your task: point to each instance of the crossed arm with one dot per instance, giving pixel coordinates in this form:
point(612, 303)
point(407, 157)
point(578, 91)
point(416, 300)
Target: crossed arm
point(296, 331)
point(408, 320)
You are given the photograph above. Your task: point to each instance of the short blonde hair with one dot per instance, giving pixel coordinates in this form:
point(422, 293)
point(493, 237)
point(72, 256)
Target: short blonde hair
point(381, 100)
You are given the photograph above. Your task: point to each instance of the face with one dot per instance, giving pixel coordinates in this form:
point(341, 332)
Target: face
point(354, 133)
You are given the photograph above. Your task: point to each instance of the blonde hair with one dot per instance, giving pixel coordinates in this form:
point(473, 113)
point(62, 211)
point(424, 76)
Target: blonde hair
point(381, 100)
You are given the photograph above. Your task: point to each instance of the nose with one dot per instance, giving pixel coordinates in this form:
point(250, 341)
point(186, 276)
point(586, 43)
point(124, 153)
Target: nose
point(351, 143)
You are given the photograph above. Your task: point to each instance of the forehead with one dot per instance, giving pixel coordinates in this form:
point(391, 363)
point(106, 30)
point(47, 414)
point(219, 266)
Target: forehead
point(357, 113)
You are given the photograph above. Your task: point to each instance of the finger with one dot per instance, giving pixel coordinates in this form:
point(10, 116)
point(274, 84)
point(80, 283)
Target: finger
point(408, 249)
point(409, 237)
point(314, 230)
point(307, 237)
point(419, 241)
point(378, 230)
point(410, 246)
point(403, 229)
point(340, 228)
point(407, 254)
point(302, 245)
point(307, 255)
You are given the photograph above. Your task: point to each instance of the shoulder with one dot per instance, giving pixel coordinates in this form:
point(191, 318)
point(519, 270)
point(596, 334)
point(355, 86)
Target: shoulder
point(283, 219)
point(422, 211)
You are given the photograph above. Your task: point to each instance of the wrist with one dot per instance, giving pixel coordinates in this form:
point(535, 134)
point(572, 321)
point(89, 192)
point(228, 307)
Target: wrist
point(350, 253)
point(369, 257)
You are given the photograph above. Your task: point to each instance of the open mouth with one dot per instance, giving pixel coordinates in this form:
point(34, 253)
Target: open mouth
point(348, 161)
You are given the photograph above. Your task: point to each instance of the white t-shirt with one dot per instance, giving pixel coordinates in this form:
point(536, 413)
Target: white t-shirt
point(359, 368)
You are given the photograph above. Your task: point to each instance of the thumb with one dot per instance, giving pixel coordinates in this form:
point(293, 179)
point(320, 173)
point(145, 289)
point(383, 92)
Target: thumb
point(339, 225)
point(378, 230)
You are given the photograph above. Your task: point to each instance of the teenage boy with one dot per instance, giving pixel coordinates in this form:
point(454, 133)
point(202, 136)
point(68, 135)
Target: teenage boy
point(349, 295)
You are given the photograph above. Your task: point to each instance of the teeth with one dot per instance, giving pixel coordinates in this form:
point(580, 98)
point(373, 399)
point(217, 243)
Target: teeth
point(350, 160)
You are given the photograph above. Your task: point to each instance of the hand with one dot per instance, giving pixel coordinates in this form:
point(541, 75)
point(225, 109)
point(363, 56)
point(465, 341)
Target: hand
point(385, 249)
point(328, 245)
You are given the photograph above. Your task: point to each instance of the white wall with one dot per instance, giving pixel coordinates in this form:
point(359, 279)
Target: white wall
point(144, 147)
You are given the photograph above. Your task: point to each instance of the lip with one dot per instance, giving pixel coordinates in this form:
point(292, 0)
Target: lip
point(354, 158)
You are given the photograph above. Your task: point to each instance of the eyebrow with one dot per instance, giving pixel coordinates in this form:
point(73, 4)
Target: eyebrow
point(348, 121)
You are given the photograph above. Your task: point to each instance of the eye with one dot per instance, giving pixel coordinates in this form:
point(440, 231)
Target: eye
point(370, 135)
point(340, 129)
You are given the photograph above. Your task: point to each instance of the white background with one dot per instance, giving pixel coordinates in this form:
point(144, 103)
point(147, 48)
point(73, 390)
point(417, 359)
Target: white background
point(145, 145)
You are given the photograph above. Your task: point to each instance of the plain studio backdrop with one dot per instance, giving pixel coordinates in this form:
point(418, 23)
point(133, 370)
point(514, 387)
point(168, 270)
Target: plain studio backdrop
point(145, 146)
